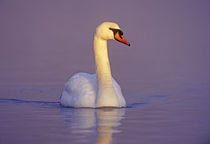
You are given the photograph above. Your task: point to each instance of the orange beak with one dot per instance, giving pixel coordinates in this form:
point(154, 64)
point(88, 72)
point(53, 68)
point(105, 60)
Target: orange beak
point(121, 39)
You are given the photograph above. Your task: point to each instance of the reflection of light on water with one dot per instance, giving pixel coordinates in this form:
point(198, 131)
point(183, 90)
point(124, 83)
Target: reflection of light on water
point(102, 122)
point(79, 120)
point(109, 117)
point(107, 120)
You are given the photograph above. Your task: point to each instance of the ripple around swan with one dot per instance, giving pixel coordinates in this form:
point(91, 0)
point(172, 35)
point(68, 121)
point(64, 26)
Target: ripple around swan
point(32, 103)
point(48, 104)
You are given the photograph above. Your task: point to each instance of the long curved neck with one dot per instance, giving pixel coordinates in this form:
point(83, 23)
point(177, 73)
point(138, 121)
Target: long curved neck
point(103, 70)
point(106, 95)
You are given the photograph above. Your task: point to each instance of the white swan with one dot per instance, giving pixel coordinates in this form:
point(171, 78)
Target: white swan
point(100, 89)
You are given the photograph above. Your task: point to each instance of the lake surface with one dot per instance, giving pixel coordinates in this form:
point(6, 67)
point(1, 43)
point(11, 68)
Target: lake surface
point(173, 115)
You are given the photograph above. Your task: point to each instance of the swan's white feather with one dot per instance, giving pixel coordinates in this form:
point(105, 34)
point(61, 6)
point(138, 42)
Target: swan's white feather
point(81, 90)
point(85, 90)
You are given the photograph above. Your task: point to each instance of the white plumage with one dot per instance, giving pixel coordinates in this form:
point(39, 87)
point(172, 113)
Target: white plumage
point(100, 89)
point(81, 91)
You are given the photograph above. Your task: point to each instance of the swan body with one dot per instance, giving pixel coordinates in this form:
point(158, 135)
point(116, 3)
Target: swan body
point(86, 96)
point(100, 89)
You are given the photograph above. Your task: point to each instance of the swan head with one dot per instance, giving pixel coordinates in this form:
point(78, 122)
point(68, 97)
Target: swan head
point(110, 31)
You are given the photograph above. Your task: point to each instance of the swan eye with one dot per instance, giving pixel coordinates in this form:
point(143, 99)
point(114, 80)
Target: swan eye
point(120, 32)
point(116, 30)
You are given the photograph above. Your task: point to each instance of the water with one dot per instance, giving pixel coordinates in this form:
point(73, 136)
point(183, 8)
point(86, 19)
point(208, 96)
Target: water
point(175, 116)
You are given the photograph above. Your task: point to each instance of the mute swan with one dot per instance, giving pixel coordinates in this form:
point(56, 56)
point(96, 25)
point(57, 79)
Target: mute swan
point(100, 89)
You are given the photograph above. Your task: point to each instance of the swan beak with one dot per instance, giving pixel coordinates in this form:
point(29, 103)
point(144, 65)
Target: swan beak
point(121, 39)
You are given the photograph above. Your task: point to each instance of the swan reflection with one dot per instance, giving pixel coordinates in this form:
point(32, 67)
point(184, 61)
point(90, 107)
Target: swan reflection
point(100, 122)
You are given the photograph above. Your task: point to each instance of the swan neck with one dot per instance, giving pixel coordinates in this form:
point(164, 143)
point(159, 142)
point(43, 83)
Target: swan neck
point(103, 69)
point(106, 95)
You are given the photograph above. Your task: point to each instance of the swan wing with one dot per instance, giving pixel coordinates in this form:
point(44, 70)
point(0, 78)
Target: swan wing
point(80, 91)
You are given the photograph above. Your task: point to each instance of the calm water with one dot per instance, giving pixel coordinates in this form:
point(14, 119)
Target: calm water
point(173, 115)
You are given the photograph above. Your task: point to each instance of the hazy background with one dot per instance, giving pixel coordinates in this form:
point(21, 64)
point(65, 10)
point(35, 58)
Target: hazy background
point(43, 42)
